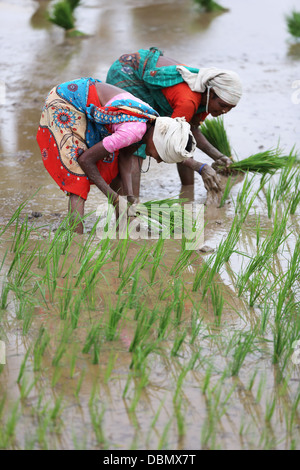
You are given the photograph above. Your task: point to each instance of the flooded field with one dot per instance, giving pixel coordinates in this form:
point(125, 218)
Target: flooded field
point(124, 344)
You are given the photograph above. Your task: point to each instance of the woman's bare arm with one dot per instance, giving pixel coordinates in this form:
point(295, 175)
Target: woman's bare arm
point(88, 162)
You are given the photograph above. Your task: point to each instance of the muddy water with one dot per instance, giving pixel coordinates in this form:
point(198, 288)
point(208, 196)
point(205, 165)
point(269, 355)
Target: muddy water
point(34, 57)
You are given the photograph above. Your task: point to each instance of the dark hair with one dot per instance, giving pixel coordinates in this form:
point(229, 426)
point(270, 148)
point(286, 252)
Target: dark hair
point(189, 144)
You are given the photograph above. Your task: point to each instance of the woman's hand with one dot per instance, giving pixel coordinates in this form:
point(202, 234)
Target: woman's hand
point(222, 165)
point(210, 179)
point(123, 205)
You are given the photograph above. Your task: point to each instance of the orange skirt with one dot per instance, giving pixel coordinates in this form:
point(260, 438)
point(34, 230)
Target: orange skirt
point(62, 138)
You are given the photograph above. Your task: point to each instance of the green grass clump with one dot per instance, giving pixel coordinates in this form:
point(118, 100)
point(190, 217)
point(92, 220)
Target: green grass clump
point(209, 5)
point(62, 15)
point(293, 24)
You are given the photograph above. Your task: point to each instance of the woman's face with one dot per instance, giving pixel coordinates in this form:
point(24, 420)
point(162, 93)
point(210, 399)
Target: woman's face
point(216, 106)
point(150, 147)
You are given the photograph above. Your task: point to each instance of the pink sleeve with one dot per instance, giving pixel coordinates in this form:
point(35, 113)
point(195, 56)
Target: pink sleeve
point(123, 135)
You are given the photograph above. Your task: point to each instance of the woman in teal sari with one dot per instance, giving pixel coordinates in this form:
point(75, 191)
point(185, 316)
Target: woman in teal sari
point(178, 91)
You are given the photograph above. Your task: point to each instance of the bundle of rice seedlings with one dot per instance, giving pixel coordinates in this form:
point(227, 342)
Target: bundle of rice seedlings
point(215, 133)
point(293, 24)
point(159, 212)
point(62, 15)
point(267, 162)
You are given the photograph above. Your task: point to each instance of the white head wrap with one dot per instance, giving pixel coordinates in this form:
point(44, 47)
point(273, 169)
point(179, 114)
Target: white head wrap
point(170, 137)
point(225, 83)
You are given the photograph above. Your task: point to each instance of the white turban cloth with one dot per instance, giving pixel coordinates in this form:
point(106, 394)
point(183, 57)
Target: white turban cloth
point(170, 137)
point(225, 83)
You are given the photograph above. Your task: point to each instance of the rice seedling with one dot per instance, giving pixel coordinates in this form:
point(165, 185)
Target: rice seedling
point(122, 251)
point(226, 191)
point(56, 375)
point(267, 249)
point(57, 409)
point(157, 257)
point(16, 214)
point(252, 380)
point(4, 295)
point(164, 322)
point(196, 326)
point(143, 327)
point(27, 317)
point(39, 348)
point(260, 388)
point(25, 387)
point(66, 297)
point(115, 314)
point(7, 430)
point(179, 418)
point(182, 262)
point(207, 378)
point(140, 259)
point(91, 265)
point(178, 300)
point(266, 311)
point(295, 202)
point(140, 354)
point(257, 286)
point(178, 341)
point(21, 268)
point(110, 366)
point(23, 365)
point(217, 260)
point(293, 23)
point(185, 369)
point(133, 296)
point(243, 347)
point(92, 338)
point(214, 131)
point(63, 344)
point(97, 417)
point(76, 308)
point(217, 302)
point(142, 383)
point(270, 408)
point(269, 200)
point(79, 383)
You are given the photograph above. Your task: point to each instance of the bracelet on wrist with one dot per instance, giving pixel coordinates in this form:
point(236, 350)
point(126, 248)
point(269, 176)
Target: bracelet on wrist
point(201, 168)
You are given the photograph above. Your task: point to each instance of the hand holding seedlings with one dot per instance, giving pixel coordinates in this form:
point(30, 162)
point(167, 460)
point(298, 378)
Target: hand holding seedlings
point(222, 165)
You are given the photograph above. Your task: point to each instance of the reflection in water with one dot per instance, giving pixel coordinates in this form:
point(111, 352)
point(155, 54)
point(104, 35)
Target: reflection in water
point(39, 19)
point(183, 19)
point(294, 51)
